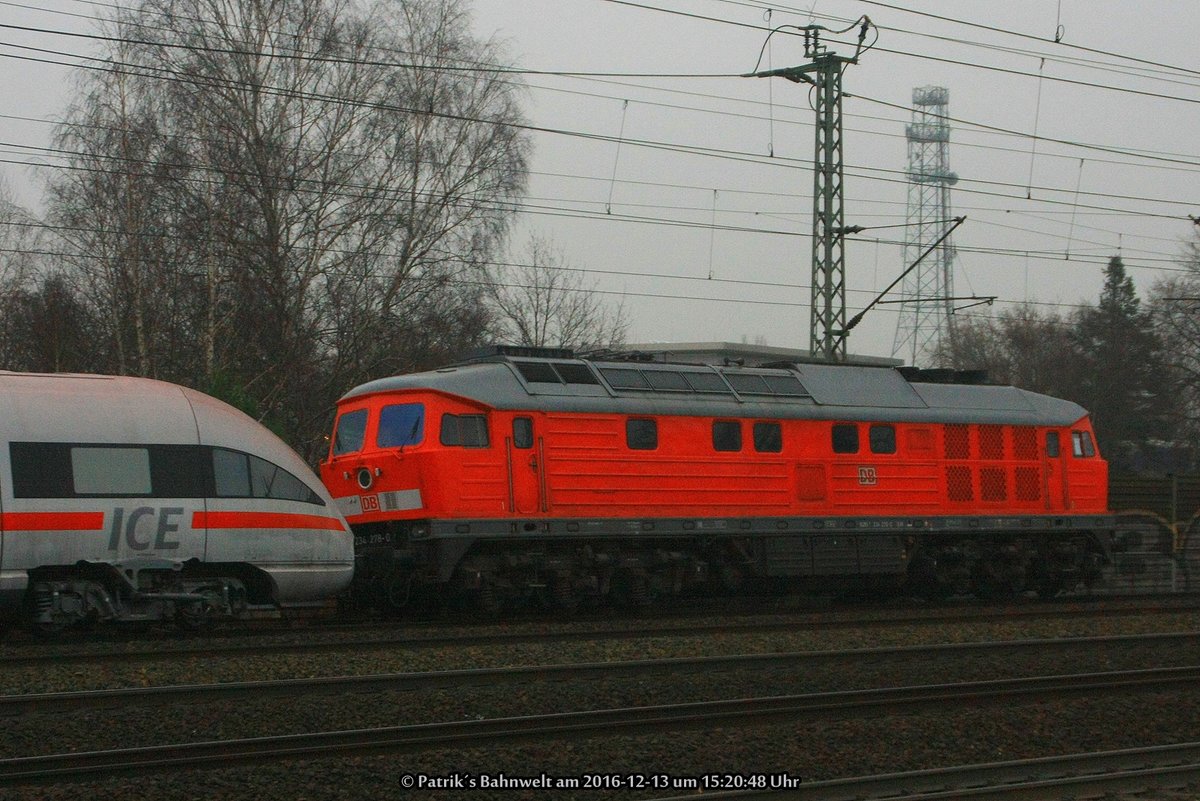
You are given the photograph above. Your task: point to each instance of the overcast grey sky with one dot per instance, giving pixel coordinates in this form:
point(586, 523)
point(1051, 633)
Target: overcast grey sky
point(714, 245)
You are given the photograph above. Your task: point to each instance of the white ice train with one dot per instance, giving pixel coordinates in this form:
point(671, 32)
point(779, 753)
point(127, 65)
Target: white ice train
point(126, 499)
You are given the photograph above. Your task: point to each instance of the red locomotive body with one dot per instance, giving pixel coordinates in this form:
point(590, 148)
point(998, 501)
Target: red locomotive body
point(568, 478)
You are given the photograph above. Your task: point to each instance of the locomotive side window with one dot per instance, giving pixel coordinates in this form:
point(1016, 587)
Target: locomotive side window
point(845, 438)
point(401, 424)
point(768, 437)
point(882, 439)
point(350, 432)
point(727, 435)
point(1081, 444)
point(1052, 446)
point(641, 434)
point(111, 471)
point(522, 432)
point(464, 430)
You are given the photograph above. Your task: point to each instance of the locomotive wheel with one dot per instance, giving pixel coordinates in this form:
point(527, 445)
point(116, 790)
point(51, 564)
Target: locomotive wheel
point(631, 590)
point(398, 591)
point(488, 600)
point(563, 596)
point(1049, 589)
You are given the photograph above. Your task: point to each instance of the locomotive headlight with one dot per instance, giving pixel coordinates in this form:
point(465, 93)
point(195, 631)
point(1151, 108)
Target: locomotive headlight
point(365, 479)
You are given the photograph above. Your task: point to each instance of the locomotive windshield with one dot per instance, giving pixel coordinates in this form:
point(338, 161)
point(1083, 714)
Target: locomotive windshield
point(401, 424)
point(351, 430)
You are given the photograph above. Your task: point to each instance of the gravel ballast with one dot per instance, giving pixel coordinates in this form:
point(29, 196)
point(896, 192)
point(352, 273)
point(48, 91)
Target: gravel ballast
point(807, 750)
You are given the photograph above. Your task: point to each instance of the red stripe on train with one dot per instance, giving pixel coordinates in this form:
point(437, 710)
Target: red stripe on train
point(212, 520)
point(52, 521)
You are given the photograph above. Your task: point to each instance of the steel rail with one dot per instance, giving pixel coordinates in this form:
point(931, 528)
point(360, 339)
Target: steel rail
point(204, 649)
point(28, 703)
point(1129, 770)
point(578, 725)
point(31, 703)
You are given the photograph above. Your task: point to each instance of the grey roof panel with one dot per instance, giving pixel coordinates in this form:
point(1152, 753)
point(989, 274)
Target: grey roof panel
point(837, 393)
point(877, 387)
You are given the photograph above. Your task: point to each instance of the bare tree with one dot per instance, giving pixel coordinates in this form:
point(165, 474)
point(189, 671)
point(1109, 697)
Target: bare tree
point(1021, 346)
point(541, 300)
point(268, 193)
point(1175, 304)
point(20, 242)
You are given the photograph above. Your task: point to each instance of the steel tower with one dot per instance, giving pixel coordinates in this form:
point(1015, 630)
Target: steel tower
point(927, 306)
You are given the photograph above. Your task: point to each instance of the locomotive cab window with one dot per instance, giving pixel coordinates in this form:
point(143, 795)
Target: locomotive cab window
point(1081, 444)
point(727, 435)
point(845, 438)
point(401, 424)
point(1052, 446)
point(523, 432)
point(464, 430)
point(882, 438)
point(641, 434)
point(768, 437)
point(350, 432)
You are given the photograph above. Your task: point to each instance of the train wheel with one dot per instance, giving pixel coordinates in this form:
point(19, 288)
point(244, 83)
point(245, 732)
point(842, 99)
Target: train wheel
point(201, 613)
point(488, 600)
point(631, 590)
point(1049, 589)
point(398, 591)
point(563, 596)
point(56, 625)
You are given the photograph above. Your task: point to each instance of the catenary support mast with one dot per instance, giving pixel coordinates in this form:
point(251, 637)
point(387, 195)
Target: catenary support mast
point(827, 321)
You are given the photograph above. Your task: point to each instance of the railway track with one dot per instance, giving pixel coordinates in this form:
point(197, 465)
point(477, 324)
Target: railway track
point(37, 703)
point(582, 725)
point(373, 641)
point(1135, 770)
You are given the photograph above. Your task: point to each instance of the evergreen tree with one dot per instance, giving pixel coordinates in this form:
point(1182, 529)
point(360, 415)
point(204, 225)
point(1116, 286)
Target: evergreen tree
point(1124, 382)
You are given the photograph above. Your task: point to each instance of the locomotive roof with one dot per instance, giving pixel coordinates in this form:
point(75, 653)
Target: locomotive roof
point(806, 391)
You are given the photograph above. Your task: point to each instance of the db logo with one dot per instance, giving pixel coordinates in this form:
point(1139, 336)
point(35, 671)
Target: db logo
point(867, 477)
point(369, 503)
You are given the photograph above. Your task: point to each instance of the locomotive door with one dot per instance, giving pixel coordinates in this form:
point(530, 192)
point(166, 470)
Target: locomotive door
point(524, 468)
point(1056, 475)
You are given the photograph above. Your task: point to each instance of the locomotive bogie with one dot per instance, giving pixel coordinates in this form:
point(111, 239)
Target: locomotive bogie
point(130, 499)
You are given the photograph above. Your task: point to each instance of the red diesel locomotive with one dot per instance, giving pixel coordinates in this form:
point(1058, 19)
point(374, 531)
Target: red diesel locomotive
point(543, 475)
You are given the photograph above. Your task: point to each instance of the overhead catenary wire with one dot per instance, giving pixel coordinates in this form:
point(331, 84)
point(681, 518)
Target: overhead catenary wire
point(1073, 209)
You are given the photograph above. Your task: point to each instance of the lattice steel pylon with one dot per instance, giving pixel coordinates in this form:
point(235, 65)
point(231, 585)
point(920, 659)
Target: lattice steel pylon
point(827, 320)
point(926, 293)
